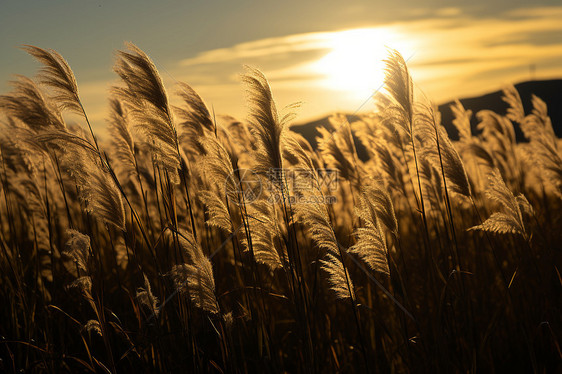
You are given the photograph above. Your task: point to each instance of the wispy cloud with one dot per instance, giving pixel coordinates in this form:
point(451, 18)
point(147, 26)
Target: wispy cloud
point(265, 47)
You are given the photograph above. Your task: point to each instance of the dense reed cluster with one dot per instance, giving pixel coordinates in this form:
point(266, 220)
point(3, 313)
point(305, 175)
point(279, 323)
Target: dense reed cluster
point(196, 243)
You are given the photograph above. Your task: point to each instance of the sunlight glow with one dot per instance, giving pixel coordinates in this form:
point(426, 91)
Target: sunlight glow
point(355, 62)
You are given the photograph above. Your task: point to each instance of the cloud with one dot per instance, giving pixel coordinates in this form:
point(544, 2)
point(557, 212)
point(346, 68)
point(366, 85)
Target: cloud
point(537, 11)
point(264, 47)
point(448, 12)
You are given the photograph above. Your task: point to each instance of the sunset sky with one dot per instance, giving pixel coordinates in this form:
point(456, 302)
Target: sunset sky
point(324, 53)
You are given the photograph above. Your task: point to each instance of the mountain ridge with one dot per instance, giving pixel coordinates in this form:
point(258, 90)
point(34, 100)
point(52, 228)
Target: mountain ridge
point(550, 91)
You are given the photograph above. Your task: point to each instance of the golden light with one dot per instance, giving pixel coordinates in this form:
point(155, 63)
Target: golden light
point(355, 62)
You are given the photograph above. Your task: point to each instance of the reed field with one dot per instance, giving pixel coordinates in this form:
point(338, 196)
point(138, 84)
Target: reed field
point(192, 242)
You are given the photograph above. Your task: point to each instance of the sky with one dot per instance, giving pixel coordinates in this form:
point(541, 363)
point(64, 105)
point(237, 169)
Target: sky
point(326, 54)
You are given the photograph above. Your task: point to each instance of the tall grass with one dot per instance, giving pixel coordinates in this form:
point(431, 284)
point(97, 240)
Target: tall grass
point(203, 244)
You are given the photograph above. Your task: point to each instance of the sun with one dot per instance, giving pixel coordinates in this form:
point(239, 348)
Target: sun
point(355, 60)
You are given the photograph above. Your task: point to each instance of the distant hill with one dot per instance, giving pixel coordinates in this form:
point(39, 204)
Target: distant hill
point(550, 91)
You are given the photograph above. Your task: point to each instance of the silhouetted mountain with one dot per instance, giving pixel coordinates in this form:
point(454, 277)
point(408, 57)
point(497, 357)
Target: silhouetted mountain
point(550, 91)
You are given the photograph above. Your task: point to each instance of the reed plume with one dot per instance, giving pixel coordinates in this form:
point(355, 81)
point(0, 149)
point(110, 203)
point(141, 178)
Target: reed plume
point(265, 234)
point(512, 219)
point(338, 149)
point(265, 124)
point(315, 218)
point(83, 284)
point(499, 140)
point(28, 104)
point(195, 117)
point(389, 167)
point(93, 326)
point(78, 248)
point(147, 298)
point(97, 190)
point(538, 121)
point(57, 75)
point(195, 278)
point(462, 121)
point(298, 152)
point(399, 85)
point(374, 207)
point(217, 211)
point(515, 111)
point(147, 99)
point(123, 144)
point(440, 152)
